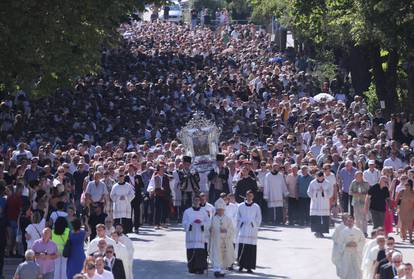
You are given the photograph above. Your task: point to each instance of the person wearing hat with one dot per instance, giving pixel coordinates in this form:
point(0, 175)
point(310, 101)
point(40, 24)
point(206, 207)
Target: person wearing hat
point(221, 240)
point(245, 183)
point(218, 179)
point(320, 191)
point(189, 182)
point(196, 223)
point(372, 174)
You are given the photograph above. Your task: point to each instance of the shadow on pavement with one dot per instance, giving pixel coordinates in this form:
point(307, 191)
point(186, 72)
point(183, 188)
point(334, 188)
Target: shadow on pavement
point(149, 269)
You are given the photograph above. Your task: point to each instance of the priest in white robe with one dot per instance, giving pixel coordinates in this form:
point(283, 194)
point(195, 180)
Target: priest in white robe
point(221, 240)
point(320, 191)
point(336, 251)
point(249, 218)
point(371, 244)
point(369, 262)
point(123, 254)
point(100, 234)
point(275, 189)
point(351, 244)
point(196, 223)
point(124, 239)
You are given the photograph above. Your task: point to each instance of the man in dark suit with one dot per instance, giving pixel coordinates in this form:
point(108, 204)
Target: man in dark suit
point(218, 178)
point(113, 264)
point(389, 270)
point(136, 181)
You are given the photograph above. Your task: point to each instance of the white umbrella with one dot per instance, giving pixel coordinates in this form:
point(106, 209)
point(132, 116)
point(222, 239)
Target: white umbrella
point(323, 96)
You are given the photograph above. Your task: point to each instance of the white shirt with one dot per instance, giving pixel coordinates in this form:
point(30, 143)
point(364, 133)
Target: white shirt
point(389, 128)
point(105, 274)
point(95, 276)
point(372, 177)
point(56, 214)
point(35, 232)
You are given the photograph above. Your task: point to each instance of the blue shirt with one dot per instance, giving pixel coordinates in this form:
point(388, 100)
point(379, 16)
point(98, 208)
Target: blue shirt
point(303, 185)
point(347, 177)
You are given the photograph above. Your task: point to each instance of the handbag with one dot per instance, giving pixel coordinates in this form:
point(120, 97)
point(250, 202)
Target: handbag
point(66, 249)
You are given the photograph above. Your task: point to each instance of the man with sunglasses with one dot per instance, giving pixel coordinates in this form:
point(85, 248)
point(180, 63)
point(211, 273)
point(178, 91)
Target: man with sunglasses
point(114, 265)
point(389, 270)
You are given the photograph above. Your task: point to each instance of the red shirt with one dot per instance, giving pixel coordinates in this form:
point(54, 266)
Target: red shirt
point(14, 205)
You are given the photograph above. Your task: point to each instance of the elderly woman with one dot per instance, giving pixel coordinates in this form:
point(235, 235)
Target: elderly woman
point(359, 190)
point(406, 212)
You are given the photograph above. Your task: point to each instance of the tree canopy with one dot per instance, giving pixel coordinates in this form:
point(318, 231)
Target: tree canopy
point(47, 44)
point(375, 34)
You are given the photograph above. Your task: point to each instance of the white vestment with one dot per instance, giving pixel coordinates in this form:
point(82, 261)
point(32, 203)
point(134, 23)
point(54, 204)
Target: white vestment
point(122, 254)
point(368, 263)
point(320, 193)
point(274, 189)
point(249, 218)
point(231, 212)
point(175, 189)
point(93, 245)
point(221, 243)
point(122, 207)
point(195, 233)
point(367, 247)
point(130, 248)
point(336, 250)
point(351, 256)
point(211, 211)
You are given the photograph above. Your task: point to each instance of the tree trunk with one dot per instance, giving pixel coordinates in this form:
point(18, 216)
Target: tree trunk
point(410, 82)
point(359, 66)
point(385, 81)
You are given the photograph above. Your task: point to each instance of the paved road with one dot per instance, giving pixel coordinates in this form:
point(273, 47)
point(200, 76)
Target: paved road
point(283, 252)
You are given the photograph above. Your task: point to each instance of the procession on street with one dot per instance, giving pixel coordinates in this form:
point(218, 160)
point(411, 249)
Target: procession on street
point(213, 131)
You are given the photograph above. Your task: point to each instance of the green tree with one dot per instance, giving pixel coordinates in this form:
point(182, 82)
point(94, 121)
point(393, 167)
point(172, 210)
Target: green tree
point(374, 35)
point(47, 44)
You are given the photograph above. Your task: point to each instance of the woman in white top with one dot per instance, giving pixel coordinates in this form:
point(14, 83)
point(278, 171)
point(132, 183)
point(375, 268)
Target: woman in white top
point(34, 230)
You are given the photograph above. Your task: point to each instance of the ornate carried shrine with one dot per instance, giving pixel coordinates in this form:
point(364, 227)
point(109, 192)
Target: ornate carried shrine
point(200, 138)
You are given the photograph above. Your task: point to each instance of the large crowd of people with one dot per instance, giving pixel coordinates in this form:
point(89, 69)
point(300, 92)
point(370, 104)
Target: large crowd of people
point(80, 169)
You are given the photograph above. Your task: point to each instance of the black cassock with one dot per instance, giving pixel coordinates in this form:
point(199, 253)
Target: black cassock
point(196, 259)
point(247, 256)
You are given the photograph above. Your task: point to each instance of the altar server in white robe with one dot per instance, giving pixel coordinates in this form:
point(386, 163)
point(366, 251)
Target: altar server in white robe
point(352, 243)
point(122, 194)
point(320, 191)
point(231, 209)
point(196, 224)
point(124, 239)
point(275, 190)
point(123, 254)
point(221, 240)
point(249, 218)
point(336, 251)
